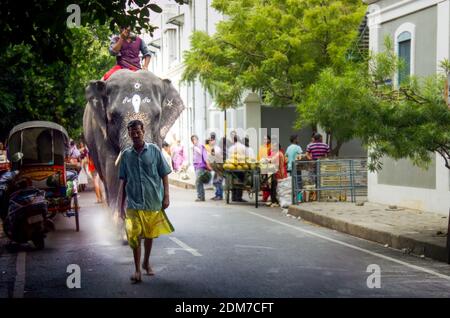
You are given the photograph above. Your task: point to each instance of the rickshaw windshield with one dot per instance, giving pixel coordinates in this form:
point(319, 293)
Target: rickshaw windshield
point(40, 146)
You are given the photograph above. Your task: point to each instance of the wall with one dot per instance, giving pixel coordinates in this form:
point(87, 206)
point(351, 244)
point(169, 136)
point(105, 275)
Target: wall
point(425, 38)
point(399, 182)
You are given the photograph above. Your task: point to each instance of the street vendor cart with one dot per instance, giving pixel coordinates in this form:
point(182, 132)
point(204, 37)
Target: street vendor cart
point(242, 179)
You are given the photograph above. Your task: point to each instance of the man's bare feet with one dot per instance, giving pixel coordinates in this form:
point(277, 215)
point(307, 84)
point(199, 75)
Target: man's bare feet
point(136, 278)
point(149, 271)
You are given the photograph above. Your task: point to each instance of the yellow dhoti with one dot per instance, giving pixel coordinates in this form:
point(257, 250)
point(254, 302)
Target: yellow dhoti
point(146, 224)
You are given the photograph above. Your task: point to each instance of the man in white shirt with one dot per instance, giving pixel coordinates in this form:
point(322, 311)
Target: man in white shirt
point(239, 150)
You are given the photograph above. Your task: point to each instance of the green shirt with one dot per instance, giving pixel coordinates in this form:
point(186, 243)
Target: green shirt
point(291, 153)
point(143, 175)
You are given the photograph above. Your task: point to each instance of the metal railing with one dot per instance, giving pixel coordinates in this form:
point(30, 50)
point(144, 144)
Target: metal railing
point(329, 180)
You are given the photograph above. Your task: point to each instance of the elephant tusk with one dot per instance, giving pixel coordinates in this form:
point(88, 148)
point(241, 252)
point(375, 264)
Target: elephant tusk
point(118, 158)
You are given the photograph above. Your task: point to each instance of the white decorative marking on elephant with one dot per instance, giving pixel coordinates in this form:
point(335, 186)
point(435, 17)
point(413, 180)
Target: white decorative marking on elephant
point(136, 101)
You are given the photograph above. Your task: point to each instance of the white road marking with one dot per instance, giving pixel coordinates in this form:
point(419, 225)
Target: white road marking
point(19, 284)
point(185, 246)
point(418, 268)
point(255, 246)
point(171, 250)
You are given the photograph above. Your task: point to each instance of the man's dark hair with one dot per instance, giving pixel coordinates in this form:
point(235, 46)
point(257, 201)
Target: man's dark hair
point(317, 137)
point(247, 141)
point(293, 138)
point(194, 136)
point(124, 26)
point(135, 123)
point(212, 136)
point(72, 143)
point(165, 144)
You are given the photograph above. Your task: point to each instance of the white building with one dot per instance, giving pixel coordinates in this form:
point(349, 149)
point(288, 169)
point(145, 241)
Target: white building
point(420, 30)
point(176, 24)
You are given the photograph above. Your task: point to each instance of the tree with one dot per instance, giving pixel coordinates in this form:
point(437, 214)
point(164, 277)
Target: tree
point(42, 24)
point(33, 90)
point(275, 46)
point(410, 121)
point(45, 65)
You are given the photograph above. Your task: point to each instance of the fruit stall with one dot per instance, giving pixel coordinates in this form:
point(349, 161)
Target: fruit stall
point(241, 173)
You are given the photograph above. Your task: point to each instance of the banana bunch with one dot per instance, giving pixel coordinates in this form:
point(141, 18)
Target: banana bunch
point(238, 162)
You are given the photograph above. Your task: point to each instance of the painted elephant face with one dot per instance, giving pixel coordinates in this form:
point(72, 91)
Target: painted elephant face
point(128, 95)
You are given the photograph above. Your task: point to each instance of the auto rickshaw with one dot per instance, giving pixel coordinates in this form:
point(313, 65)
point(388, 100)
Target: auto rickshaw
point(38, 149)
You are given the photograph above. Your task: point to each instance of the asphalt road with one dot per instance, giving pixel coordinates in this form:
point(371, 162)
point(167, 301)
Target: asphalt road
point(217, 250)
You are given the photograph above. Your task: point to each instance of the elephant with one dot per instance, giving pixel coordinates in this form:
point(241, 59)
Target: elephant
point(111, 104)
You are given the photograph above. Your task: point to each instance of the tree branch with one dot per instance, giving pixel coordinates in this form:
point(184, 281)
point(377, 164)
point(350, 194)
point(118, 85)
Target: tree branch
point(243, 51)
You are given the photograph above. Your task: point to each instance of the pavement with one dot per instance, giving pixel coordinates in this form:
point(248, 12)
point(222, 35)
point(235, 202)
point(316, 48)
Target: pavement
point(219, 250)
point(419, 233)
point(185, 180)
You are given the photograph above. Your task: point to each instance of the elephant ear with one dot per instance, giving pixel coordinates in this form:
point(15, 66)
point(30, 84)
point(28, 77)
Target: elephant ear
point(96, 93)
point(171, 107)
point(96, 96)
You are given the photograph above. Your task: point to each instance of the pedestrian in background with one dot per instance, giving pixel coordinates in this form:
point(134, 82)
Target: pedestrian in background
point(141, 185)
point(216, 156)
point(74, 153)
point(178, 156)
point(166, 153)
point(237, 150)
point(265, 150)
point(317, 149)
point(201, 166)
point(292, 152)
point(95, 179)
point(276, 158)
point(83, 175)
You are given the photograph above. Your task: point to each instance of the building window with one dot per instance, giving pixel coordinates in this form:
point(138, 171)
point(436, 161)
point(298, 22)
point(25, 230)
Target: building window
point(404, 53)
point(404, 39)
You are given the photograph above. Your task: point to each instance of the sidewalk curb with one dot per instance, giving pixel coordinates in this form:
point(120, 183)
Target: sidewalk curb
point(181, 184)
point(400, 242)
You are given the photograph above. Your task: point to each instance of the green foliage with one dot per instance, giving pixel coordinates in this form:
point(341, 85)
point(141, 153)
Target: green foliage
point(411, 121)
point(33, 90)
point(45, 66)
point(276, 46)
point(42, 23)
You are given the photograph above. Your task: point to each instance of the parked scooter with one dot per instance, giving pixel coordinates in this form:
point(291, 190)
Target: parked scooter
point(6, 187)
point(26, 217)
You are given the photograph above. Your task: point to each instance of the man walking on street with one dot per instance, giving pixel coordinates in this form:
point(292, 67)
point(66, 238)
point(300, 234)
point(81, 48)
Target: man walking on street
point(201, 166)
point(216, 157)
point(144, 181)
